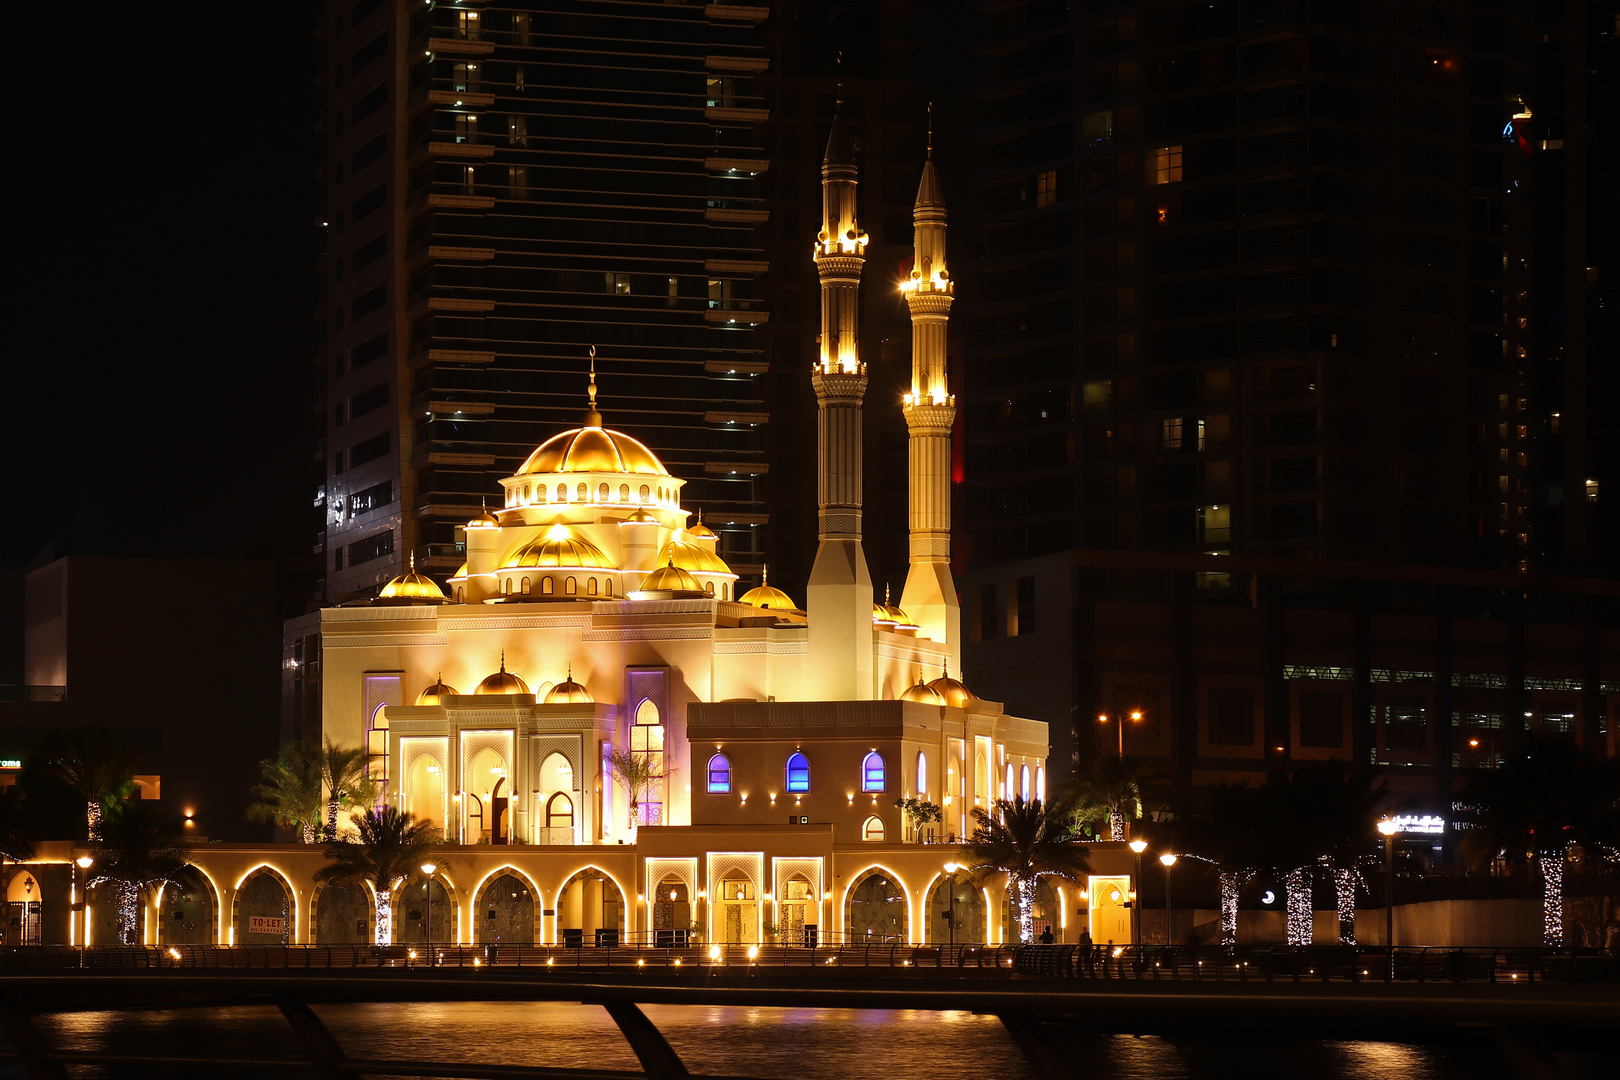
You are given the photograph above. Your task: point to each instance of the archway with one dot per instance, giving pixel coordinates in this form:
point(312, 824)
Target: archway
point(796, 908)
point(960, 896)
point(25, 909)
point(264, 910)
point(187, 913)
point(425, 789)
point(590, 908)
point(1043, 913)
point(553, 805)
point(876, 909)
point(487, 792)
point(671, 912)
point(343, 915)
point(428, 915)
point(505, 910)
point(102, 902)
point(739, 911)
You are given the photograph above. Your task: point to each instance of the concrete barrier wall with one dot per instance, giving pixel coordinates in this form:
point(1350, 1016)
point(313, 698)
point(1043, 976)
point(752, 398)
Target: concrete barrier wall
point(1444, 923)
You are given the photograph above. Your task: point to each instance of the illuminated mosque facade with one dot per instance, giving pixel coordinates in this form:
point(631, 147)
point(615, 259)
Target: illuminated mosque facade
point(594, 617)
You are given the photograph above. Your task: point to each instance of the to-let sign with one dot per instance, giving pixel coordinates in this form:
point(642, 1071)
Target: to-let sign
point(265, 924)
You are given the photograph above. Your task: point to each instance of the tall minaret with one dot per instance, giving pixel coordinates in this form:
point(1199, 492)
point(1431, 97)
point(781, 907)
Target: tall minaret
point(840, 590)
point(930, 593)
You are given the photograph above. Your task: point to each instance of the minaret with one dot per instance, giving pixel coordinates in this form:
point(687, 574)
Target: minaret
point(930, 409)
point(840, 589)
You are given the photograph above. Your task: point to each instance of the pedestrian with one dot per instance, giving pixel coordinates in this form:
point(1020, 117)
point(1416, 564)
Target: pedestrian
point(1088, 955)
point(1046, 935)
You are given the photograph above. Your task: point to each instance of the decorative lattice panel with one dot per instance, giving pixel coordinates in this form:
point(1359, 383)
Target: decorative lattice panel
point(539, 747)
point(748, 864)
point(475, 742)
point(683, 870)
point(784, 869)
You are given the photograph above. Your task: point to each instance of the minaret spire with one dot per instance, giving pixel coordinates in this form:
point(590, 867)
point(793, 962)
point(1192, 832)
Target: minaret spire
point(840, 588)
point(592, 417)
point(930, 409)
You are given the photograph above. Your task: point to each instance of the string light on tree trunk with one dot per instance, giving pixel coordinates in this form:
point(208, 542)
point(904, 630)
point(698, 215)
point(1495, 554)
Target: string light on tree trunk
point(1299, 905)
point(1229, 907)
point(129, 908)
point(384, 918)
point(1346, 883)
point(1552, 903)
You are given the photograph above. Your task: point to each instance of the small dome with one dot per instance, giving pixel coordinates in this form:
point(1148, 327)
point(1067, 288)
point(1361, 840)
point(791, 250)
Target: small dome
point(412, 586)
point(952, 691)
point(768, 596)
point(670, 578)
point(484, 520)
point(558, 546)
point(568, 692)
point(887, 614)
point(439, 689)
point(502, 682)
point(923, 694)
point(639, 517)
point(692, 557)
point(700, 530)
point(593, 449)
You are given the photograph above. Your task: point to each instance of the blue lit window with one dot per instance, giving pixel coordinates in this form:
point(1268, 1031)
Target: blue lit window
point(719, 775)
point(798, 773)
point(872, 772)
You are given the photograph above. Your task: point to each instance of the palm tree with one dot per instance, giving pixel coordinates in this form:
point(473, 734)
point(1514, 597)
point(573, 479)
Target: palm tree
point(291, 791)
point(1548, 796)
point(344, 773)
point(1221, 823)
point(1027, 841)
point(1114, 783)
point(139, 848)
point(96, 764)
point(16, 840)
point(390, 847)
point(637, 773)
point(1340, 816)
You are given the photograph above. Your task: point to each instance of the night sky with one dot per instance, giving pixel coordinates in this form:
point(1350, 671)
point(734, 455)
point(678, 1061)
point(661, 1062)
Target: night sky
point(160, 230)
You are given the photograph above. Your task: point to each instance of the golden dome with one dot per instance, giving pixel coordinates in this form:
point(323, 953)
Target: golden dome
point(887, 614)
point(924, 694)
point(484, 520)
point(439, 689)
point(412, 586)
point(593, 449)
point(569, 692)
point(558, 546)
point(640, 516)
point(692, 557)
point(952, 691)
point(768, 596)
point(502, 682)
point(670, 578)
point(700, 530)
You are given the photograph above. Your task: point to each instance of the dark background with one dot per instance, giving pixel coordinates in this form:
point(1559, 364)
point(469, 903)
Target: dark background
point(161, 223)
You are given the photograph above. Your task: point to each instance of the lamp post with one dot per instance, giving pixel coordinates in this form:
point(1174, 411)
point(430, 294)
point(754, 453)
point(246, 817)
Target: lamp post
point(428, 870)
point(1134, 714)
point(82, 863)
point(1169, 861)
point(950, 915)
point(1387, 827)
point(1137, 846)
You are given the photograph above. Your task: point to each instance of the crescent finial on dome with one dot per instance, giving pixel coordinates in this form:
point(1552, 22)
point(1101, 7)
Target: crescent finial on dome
point(593, 418)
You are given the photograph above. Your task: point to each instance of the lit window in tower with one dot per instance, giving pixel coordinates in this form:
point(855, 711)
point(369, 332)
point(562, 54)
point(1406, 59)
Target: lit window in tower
point(1046, 187)
point(1167, 165)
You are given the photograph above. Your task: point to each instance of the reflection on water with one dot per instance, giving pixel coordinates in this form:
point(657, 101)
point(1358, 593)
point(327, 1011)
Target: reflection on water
point(801, 1044)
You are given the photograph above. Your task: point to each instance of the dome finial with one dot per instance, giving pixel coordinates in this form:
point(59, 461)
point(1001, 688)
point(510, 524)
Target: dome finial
point(413, 562)
point(593, 418)
point(764, 573)
point(930, 131)
point(503, 661)
point(885, 594)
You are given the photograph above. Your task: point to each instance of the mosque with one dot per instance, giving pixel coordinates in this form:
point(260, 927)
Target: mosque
point(594, 620)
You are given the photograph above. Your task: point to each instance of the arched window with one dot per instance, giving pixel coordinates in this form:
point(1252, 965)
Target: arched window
point(872, 830)
point(1023, 783)
point(559, 812)
point(540, 492)
point(1007, 791)
point(525, 587)
point(647, 744)
point(590, 586)
point(644, 491)
point(1040, 782)
point(571, 586)
point(602, 493)
point(922, 774)
point(624, 493)
point(506, 586)
point(719, 775)
point(872, 772)
point(798, 773)
point(583, 491)
point(545, 586)
point(708, 587)
point(607, 586)
point(562, 492)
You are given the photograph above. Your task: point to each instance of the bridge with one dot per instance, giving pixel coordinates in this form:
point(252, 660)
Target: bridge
point(1034, 1009)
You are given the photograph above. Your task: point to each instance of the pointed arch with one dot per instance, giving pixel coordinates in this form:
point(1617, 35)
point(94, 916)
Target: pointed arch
point(285, 882)
point(859, 878)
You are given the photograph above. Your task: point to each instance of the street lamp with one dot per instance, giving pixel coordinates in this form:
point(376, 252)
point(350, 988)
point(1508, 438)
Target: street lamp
point(1168, 860)
point(1136, 717)
point(950, 915)
point(428, 870)
point(1137, 846)
point(83, 862)
point(1389, 829)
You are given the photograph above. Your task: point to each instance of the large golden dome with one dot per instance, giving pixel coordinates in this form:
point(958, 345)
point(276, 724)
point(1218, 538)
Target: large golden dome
point(593, 449)
point(692, 557)
point(558, 546)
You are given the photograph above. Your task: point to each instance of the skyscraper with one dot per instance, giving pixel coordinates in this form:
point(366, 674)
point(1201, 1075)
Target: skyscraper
point(504, 189)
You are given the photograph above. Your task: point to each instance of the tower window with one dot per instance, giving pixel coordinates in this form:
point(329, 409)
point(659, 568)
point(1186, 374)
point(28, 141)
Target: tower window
point(1046, 187)
point(872, 772)
point(719, 775)
point(1167, 165)
point(798, 773)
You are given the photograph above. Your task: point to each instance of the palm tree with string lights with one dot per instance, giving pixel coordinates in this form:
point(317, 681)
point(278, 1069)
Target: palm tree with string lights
point(345, 773)
point(1221, 824)
point(1027, 841)
point(140, 848)
point(1114, 783)
point(1340, 813)
point(1549, 797)
point(290, 791)
point(389, 847)
point(95, 763)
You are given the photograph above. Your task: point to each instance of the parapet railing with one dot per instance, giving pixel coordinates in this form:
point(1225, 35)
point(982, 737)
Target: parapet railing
point(1198, 963)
